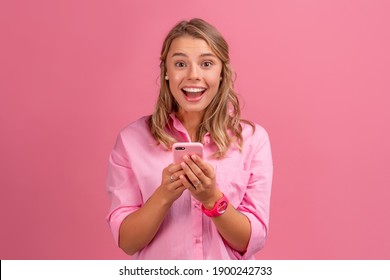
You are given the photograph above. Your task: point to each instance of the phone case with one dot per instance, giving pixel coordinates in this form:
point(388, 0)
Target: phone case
point(181, 149)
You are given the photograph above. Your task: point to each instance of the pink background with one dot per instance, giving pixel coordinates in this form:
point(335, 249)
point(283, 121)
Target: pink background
point(315, 74)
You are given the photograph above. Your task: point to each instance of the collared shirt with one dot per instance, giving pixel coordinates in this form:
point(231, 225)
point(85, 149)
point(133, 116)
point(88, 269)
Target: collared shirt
point(134, 173)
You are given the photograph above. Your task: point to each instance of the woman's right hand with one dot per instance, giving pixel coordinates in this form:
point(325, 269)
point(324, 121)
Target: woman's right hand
point(140, 227)
point(171, 187)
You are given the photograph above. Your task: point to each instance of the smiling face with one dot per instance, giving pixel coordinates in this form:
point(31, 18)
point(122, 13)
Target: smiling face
point(194, 74)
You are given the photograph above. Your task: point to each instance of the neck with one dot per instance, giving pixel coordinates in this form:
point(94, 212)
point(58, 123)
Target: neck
point(191, 121)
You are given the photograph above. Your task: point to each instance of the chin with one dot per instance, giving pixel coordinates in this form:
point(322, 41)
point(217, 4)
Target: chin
point(192, 109)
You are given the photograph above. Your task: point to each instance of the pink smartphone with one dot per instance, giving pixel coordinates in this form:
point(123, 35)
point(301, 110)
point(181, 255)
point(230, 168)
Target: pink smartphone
point(181, 149)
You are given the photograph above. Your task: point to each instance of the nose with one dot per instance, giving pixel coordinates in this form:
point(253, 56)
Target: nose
point(194, 72)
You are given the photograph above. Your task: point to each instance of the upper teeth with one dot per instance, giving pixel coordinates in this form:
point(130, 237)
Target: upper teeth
point(193, 89)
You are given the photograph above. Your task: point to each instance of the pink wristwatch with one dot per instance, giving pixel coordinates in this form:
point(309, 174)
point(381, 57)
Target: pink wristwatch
point(218, 209)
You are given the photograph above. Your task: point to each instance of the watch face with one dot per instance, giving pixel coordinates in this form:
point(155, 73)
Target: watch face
point(222, 207)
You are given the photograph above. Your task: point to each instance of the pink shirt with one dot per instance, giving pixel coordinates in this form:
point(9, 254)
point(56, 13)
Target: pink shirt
point(135, 169)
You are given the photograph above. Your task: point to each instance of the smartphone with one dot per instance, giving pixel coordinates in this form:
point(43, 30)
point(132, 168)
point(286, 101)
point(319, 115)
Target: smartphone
point(181, 149)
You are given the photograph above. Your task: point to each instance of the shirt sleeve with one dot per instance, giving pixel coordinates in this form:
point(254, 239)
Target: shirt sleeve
point(122, 188)
point(256, 201)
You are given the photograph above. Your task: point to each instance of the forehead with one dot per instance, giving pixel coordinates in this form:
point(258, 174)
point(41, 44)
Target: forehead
point(190, 46)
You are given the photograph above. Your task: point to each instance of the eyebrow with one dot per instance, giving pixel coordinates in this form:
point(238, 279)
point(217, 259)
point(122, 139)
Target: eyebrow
point(184, 55)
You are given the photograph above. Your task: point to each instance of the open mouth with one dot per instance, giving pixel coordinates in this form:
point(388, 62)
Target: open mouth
point(193, 94)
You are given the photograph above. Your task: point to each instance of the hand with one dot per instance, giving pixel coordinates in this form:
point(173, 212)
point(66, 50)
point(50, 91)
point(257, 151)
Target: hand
point(200, 180)
point(171, 187)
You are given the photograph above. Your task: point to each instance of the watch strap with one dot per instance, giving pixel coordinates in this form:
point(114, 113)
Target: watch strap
point(219, 207)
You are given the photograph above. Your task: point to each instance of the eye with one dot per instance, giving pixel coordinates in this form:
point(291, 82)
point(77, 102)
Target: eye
point(180, 64)
point(207, 64)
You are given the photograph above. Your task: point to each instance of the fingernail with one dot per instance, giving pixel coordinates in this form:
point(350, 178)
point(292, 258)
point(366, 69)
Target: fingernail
point(193, 157)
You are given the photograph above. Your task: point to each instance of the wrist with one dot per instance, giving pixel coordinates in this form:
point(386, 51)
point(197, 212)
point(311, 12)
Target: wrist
point(209, 204)
point(218, 208)
point(161, 199)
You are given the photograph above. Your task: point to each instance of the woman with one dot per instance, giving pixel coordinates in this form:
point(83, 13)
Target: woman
point(162, 210)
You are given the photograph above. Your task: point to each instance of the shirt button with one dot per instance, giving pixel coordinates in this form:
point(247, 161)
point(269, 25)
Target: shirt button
point(197, 205)
point(197, 241)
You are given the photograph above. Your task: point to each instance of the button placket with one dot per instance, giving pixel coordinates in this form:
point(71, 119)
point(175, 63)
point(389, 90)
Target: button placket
point(197, 229)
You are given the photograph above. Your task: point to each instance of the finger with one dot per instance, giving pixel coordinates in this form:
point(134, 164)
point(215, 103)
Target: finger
point(172, 168)
point(195, 169)
point(192, 179)
point(175, 176)
point(175, 185)
point(206, 168)
point(181, 188)
point(187, 184)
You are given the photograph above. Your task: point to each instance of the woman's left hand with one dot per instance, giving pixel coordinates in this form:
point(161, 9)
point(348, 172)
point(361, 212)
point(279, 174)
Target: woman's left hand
point(200, 180)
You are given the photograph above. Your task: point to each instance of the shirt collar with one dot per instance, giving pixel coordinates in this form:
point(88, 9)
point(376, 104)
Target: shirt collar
point(177, 127)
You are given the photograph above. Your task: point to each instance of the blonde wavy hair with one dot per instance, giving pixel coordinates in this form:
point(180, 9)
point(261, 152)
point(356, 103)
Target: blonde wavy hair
point(222, 116)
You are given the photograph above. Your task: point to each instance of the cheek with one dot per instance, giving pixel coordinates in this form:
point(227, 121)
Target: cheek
point(215, 83)
point(174, 85)
point(215, 78)
point(175, 80)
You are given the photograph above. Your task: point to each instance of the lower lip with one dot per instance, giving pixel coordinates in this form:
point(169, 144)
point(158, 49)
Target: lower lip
point(194, 99)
